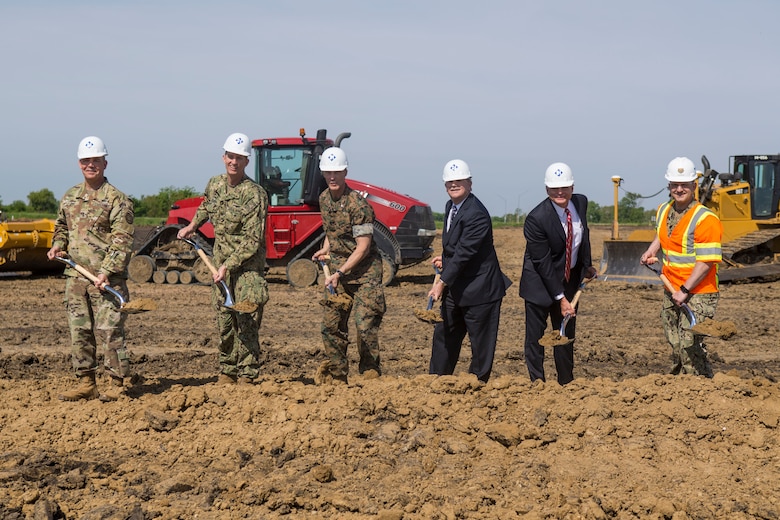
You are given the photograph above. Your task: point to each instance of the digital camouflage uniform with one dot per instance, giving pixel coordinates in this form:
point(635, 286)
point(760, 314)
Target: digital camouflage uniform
point(689, 353)
point(238, 216)
point(95, 228)
point(343, 220)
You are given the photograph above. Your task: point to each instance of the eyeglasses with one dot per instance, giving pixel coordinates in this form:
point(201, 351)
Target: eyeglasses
point(681, 185)
point(93, 160)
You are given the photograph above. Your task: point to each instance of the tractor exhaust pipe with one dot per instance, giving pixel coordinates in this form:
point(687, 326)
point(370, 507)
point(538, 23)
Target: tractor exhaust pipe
point(341, 137)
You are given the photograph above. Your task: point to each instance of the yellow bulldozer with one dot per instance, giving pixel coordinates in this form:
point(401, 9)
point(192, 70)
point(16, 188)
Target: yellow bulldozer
point(23, 247)
point(747, 201)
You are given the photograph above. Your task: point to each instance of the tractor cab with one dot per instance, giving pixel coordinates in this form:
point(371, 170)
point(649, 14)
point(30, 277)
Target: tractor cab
point(288, 168)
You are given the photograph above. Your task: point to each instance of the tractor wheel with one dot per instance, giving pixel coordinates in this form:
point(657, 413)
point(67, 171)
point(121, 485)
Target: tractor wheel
point(388, 268)
point(141, 268)
point(302, 272)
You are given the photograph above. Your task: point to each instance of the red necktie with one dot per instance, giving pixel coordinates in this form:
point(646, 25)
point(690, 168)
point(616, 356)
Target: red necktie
point(569, 238)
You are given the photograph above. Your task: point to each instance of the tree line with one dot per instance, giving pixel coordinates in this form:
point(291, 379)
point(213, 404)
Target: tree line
point(629, 212)
point(157, 206)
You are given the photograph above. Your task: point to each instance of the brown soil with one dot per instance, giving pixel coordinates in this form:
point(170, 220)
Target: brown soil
point(553, 338)
point(428, 315)
point(722, 329)
point(247, 307)
point(624, 440)
point(139, 305)
point(338, 300)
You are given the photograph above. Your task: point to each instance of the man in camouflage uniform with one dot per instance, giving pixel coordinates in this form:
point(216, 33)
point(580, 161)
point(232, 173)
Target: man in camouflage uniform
point(94, 227)
point(236, 207)
point(348, 221)
point(690, 236)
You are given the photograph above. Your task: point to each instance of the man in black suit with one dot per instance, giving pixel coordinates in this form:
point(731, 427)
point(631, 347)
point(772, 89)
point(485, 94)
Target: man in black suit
point(547, 285)
point(472, 284)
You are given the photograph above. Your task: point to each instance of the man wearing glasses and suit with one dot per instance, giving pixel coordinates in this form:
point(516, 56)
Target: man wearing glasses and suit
point(472, 284)
point(557, 259)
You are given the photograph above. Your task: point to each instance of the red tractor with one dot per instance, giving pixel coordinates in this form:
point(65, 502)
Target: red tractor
point(288, 169)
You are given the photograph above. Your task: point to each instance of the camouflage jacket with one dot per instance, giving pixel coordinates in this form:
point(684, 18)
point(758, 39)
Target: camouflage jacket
point(95, 227)
point(238, 216)
point(343, 220)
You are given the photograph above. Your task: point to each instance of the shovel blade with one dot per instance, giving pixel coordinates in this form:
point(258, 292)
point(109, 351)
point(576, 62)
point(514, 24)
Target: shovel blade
point(228, 297)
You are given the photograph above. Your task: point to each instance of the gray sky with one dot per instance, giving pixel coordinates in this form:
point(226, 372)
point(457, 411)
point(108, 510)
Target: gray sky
point(510, 86)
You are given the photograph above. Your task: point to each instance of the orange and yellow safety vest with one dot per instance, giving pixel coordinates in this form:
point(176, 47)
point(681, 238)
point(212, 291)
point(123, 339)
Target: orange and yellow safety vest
point(696, 238)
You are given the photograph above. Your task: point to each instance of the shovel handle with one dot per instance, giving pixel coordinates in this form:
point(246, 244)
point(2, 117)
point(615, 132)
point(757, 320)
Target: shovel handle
point(579, 291)
point(203, 256)
point(82, 270)
point(576, 298)
point(436, 279)
point(92, 278)
point(326, 270)
point(671, 289)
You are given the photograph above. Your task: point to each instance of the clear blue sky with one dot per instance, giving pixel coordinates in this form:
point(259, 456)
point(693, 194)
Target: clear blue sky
point(610, 87)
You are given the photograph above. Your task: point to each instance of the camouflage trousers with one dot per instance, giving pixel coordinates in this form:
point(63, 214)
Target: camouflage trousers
point(94, 317)
point(239, 332)
point(368, 304)
point(689, 354)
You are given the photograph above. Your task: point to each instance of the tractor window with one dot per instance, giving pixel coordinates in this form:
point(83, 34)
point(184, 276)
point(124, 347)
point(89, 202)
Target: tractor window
point(763, 189)
point(279, 171)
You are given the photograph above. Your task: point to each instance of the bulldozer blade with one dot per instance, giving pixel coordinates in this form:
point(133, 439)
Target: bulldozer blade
point(764, 272)
point(620, 262)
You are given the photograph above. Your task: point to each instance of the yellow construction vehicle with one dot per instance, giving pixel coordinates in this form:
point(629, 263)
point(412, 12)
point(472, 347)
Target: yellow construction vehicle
point(747, 201)
point(23, 247)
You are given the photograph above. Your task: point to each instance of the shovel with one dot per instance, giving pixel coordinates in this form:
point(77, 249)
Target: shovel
point(558, 338)
point(672, 290)
point(573, 304)
point(708, 327)
point(229, 302)
point(337, 300)
point(132, 307)
point(429, 315)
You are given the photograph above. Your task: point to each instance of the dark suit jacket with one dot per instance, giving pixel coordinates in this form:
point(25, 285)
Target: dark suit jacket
point(470, 265)
point(545, 254)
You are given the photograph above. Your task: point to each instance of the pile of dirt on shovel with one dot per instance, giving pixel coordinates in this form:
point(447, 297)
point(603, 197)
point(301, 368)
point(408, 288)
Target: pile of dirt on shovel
point(428, 315)
point(721, 329)
point(553, 338)
point(244, 306)
point(140, 304)
point(339, 301)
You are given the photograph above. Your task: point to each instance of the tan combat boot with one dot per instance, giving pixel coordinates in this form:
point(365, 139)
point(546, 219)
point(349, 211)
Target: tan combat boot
point(87, 389)
point(115, 391)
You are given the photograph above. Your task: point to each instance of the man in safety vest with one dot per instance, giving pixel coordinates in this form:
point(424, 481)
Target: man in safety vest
point(690, 236)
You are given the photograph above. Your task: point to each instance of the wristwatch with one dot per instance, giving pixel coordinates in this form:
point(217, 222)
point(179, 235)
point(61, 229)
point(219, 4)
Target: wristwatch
point(340, 273)
point(685, 289)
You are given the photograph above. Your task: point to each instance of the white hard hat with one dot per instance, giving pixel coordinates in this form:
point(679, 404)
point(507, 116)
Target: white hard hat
point(238, 143)
point(91, 147)
point(680, 169)
point(456, 170)
point(333, 159)
point(558, 175)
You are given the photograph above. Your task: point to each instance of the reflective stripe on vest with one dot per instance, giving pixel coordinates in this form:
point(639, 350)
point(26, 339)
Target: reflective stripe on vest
point(691, 251)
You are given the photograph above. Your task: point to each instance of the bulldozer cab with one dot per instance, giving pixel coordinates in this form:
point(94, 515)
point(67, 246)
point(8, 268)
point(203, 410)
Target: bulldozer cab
point(762, 173)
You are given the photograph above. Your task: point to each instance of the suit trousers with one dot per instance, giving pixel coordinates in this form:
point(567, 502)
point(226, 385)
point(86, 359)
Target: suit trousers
point(535, 325)
point(481, 324)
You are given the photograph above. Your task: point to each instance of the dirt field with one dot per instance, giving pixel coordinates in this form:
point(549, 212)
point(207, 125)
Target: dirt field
point(624, 440)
